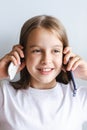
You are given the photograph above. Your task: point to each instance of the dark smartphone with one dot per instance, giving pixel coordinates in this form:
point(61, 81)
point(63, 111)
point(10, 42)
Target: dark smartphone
point(74, 83)
point(70, 73)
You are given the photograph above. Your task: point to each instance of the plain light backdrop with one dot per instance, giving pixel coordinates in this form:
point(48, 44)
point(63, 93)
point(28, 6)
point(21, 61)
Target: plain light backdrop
point(72, 13)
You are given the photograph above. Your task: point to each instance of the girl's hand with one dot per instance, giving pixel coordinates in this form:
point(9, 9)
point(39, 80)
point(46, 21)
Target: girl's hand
point(75, 63)
point(14, 56)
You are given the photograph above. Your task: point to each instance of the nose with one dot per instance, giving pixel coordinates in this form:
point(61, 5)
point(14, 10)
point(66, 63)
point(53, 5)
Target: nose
point(46, 58)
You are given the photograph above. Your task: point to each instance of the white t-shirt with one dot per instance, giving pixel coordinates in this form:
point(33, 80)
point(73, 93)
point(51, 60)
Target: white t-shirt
point(36, 109)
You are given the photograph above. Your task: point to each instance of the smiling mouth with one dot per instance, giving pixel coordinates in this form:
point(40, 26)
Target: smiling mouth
point(46, 71)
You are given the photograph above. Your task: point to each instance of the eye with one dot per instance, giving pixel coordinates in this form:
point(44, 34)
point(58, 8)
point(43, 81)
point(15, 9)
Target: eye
point(36, 51)
point(56, 51)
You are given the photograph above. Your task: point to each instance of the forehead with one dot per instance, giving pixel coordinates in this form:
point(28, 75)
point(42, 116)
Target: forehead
point(44, 36)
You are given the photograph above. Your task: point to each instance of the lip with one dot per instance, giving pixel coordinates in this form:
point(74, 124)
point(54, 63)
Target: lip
point(45, 71)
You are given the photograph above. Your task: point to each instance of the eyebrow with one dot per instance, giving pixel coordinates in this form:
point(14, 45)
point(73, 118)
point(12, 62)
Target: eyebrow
point(31, 46)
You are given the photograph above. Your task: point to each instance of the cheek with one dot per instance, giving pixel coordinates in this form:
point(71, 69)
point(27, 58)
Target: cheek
point(29, 64)
point(31, 60)
point(58, 62)
point(28, 57)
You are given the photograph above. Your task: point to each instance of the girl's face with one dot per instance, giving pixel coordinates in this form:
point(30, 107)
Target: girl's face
point(43, 57)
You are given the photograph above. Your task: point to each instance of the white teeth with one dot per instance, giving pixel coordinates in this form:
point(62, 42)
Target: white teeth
point(45, 69)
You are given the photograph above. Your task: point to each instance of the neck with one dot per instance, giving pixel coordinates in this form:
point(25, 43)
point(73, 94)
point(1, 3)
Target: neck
point(36, 85)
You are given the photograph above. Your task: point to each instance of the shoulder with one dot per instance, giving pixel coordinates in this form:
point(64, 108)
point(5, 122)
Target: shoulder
point(4, 84)
point(3, 91)
point(6, 88)
point(80, 99)
point(82, 92)
point(68, 88)
point(8, 94)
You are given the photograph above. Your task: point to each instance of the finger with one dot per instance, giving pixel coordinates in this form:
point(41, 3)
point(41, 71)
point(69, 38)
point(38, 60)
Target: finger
point(67, 49)
point(17, 46)
point(66, 53)
point(76, 64)
point(19, 49)
point(73, 63)
point(14, 60)
point(16, 56)
point(68, 56)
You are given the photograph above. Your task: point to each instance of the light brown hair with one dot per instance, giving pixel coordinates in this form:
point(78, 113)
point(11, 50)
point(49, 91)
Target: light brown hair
point(47, 22)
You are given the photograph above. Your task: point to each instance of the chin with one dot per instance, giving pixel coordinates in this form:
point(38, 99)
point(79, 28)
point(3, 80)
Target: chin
point(47, 81)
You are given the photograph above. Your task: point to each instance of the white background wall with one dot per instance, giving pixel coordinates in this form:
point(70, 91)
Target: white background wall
point(72, 13)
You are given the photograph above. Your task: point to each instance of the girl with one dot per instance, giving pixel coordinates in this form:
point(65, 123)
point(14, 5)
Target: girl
point(42, 99)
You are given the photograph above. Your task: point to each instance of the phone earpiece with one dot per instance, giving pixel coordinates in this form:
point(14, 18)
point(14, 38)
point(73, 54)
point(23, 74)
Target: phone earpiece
point(12, 70)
